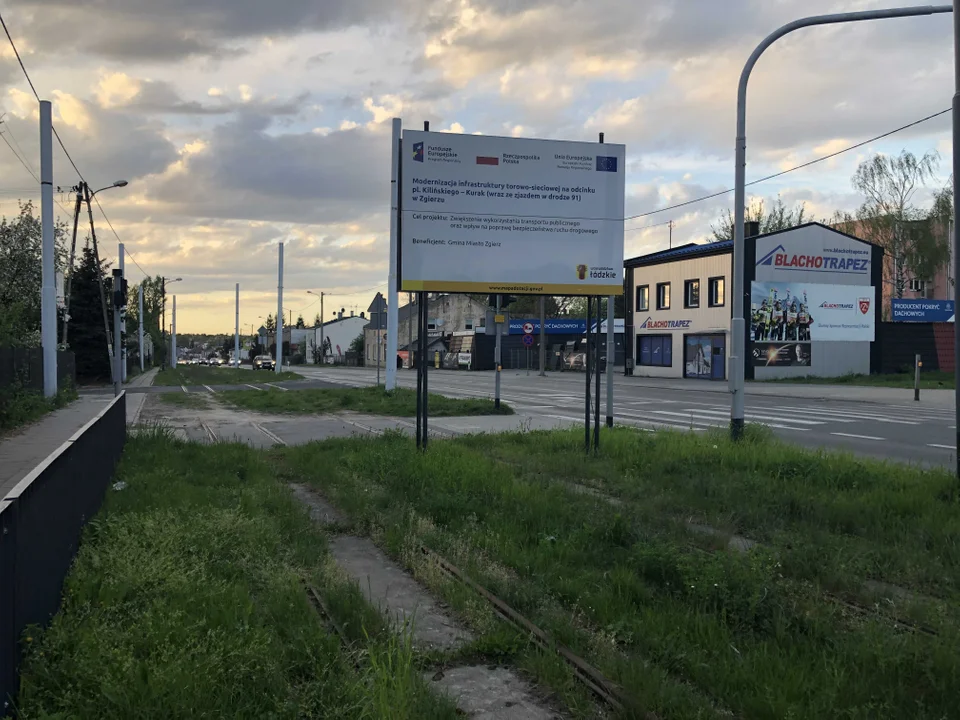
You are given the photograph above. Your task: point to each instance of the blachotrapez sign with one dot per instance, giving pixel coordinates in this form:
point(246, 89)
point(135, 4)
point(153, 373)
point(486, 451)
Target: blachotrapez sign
point(484, 214)
point(922, 310)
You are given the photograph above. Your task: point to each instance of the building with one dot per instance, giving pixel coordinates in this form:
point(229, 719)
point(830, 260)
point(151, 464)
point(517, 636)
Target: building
point(338, 335)
point(813, 306)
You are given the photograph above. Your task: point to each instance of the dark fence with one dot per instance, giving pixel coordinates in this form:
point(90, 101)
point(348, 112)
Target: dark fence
point(24, 366)
point(40, 524)
point(900, 342)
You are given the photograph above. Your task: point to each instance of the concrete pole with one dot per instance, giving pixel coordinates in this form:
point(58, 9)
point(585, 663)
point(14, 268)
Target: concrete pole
point(140, 328)
point(123, 324)
point(738, 352)
point(173, 334)
point(322, 351)
point(278, 366)
point(117, 342)
point(236, 336)
point(956, 223)
point(611, 353)
point(48, 295)
point(393, 295)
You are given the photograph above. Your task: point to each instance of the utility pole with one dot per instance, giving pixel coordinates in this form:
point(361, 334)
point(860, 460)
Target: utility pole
point(236, 339)
point(48, 296)
point(117, 356)
point(393, 297)
point(543, 336)
point(323, 351)
point(123, 324)
point(278, 367)
point(96, 256)
point(173, 333)
point(140, 329)
point(163, 321)
point(78, 204)
point(955, 223)
point(670, 225)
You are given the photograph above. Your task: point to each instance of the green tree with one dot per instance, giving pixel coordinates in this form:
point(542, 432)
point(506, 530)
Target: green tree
point(270, 324)
point(152, 307)
point(356, 345)
point(88, 338)
point(777, 218)
point(300, 323)
point(317, 322)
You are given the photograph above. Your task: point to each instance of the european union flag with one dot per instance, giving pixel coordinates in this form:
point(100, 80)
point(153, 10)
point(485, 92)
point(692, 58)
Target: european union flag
point(418, 152)
point(606, 164)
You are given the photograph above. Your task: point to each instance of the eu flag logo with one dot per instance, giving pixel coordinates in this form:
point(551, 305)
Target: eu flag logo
point(418, 152)
point(606, 164)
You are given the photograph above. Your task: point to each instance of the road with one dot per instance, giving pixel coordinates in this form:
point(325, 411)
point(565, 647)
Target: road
point(893, 430)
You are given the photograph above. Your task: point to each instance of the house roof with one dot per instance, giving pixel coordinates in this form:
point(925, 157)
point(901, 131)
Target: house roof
point(692, 250)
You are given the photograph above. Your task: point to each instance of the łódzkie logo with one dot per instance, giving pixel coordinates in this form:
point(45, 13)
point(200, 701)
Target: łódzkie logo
point(582, 272)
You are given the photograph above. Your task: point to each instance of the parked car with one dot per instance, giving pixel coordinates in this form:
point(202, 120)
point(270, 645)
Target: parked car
point(263, 362)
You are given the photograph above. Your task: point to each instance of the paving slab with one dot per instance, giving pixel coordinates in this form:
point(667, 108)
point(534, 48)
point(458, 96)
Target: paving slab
point(489, 693)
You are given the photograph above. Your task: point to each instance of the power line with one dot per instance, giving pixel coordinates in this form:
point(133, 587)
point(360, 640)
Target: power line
point(790, 170)
point(22, 161)
point(19, 60)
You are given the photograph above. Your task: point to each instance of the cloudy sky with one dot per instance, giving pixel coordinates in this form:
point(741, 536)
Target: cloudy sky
point(241, 123)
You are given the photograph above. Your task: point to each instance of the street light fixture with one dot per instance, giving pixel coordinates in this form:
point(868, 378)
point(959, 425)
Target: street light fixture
point(163, 313)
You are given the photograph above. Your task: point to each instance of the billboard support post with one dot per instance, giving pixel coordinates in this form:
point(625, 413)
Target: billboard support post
point(496, 361)
point(596, 349)
point(586, 362)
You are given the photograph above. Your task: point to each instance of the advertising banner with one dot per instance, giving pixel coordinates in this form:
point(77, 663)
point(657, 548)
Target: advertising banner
point(806, 312)
point(805, 253)
point(922, 310)
point(563, 326)
point(488, 214)
point(795, 354)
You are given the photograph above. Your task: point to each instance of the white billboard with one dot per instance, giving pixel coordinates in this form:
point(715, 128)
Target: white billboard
point(806, 312)
point(505, 215)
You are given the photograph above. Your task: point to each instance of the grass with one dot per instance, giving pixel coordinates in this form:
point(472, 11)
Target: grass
point(372, 400)
point(929, 380)
point(188, 401)
point(186, 600)
point(20, 407)
point(689, 628)
point(201, 375)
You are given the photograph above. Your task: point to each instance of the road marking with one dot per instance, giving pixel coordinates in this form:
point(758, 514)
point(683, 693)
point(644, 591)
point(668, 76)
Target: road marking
point(278, 387)
point(277, 440)
point(834, 415)
point(254, 387)
point(748, 414)
point(716, 421)
point(945, 447)
point(184, 388)
point(858, 437)
point(210, 389)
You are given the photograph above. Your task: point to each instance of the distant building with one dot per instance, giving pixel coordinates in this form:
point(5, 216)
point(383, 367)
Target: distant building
point(337, 337)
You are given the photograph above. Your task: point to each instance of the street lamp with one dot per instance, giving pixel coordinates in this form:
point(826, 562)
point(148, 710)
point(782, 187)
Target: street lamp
point(117, 184)
point(163, 311)
point(322, 353)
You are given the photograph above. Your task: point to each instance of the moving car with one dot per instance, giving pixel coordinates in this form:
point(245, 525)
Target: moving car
point(263, 362)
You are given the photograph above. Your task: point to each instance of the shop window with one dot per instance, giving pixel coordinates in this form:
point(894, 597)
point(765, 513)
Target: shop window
point(663, 296)
point(716, 289)
point(691, 294)
point(656, 350)
point(643, 298)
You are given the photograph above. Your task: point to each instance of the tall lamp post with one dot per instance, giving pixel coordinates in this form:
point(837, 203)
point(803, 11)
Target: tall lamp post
point(738, 323)
point(320, 295)
point(163, 318)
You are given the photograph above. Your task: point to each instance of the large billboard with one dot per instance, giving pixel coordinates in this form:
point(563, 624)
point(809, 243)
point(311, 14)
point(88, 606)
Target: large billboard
point(922, 310)
point(783, 312)
point(809, 252)
point(781, 354)
point(488, 214)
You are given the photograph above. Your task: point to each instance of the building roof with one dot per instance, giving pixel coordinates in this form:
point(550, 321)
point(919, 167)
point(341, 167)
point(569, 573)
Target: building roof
point(692, 250)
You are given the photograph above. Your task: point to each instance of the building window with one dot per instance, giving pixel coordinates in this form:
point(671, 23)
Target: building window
point(431, 326)
point(691, 294)
point(663, 296)
point(716, 289)
point(643, 298)
point(656, 350)
point(468, 325)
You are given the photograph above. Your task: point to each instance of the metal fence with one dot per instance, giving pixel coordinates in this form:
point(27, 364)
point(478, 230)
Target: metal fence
point(40, 524)
point(24, 366)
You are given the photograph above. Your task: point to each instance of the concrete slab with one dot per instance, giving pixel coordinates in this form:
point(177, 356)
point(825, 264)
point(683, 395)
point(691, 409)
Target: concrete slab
point(490, 693)
point(386, 586)
point(310, 428)
point(321, 511)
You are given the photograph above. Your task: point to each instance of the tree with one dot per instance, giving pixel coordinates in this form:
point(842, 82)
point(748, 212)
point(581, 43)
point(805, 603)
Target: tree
point(88, 339)
point(300, 323)
point(889, 218)
point(317, 322)
point(780, 217)
point(152, 307)
point(270, 325)
point(356, 345)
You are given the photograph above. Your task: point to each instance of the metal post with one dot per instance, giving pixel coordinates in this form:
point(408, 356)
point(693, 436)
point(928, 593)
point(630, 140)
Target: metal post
point(140, 328)
point(496, 361)
point(916, 378)
point(611, 356)
point(163, 321)
point(173, 335)
point(393, 295)
point(322, 349)
point(117, 356)
point(68, 290)
point(419, 360)
point(586, 412)
point(738, 351)
point(236, 336)
point(48, 296)
point(278, 367)
point(424, 342)
point(543, 336)
point(596, 415)
point(956, 224)
point(123, 325)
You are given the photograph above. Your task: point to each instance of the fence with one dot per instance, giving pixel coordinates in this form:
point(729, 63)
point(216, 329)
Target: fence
point(25, 366)
point(40, 524)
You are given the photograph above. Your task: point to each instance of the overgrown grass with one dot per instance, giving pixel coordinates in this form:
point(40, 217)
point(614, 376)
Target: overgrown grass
point(690, 629)
point(191, 401)
point(20, 406)
point(186, 600)
point(929, 380)
point(373, 400)
point(201, 375)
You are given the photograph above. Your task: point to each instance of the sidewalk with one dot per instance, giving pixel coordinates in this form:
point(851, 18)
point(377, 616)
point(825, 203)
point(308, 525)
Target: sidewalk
point(135, 401)
point(25, 449)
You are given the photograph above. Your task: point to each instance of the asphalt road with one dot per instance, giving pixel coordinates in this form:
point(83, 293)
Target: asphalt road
point(898, 431)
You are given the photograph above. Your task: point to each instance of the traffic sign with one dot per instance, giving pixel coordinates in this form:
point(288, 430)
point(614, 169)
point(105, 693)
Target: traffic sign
point(528, 340)
point(500, 318)
point(528, 328)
